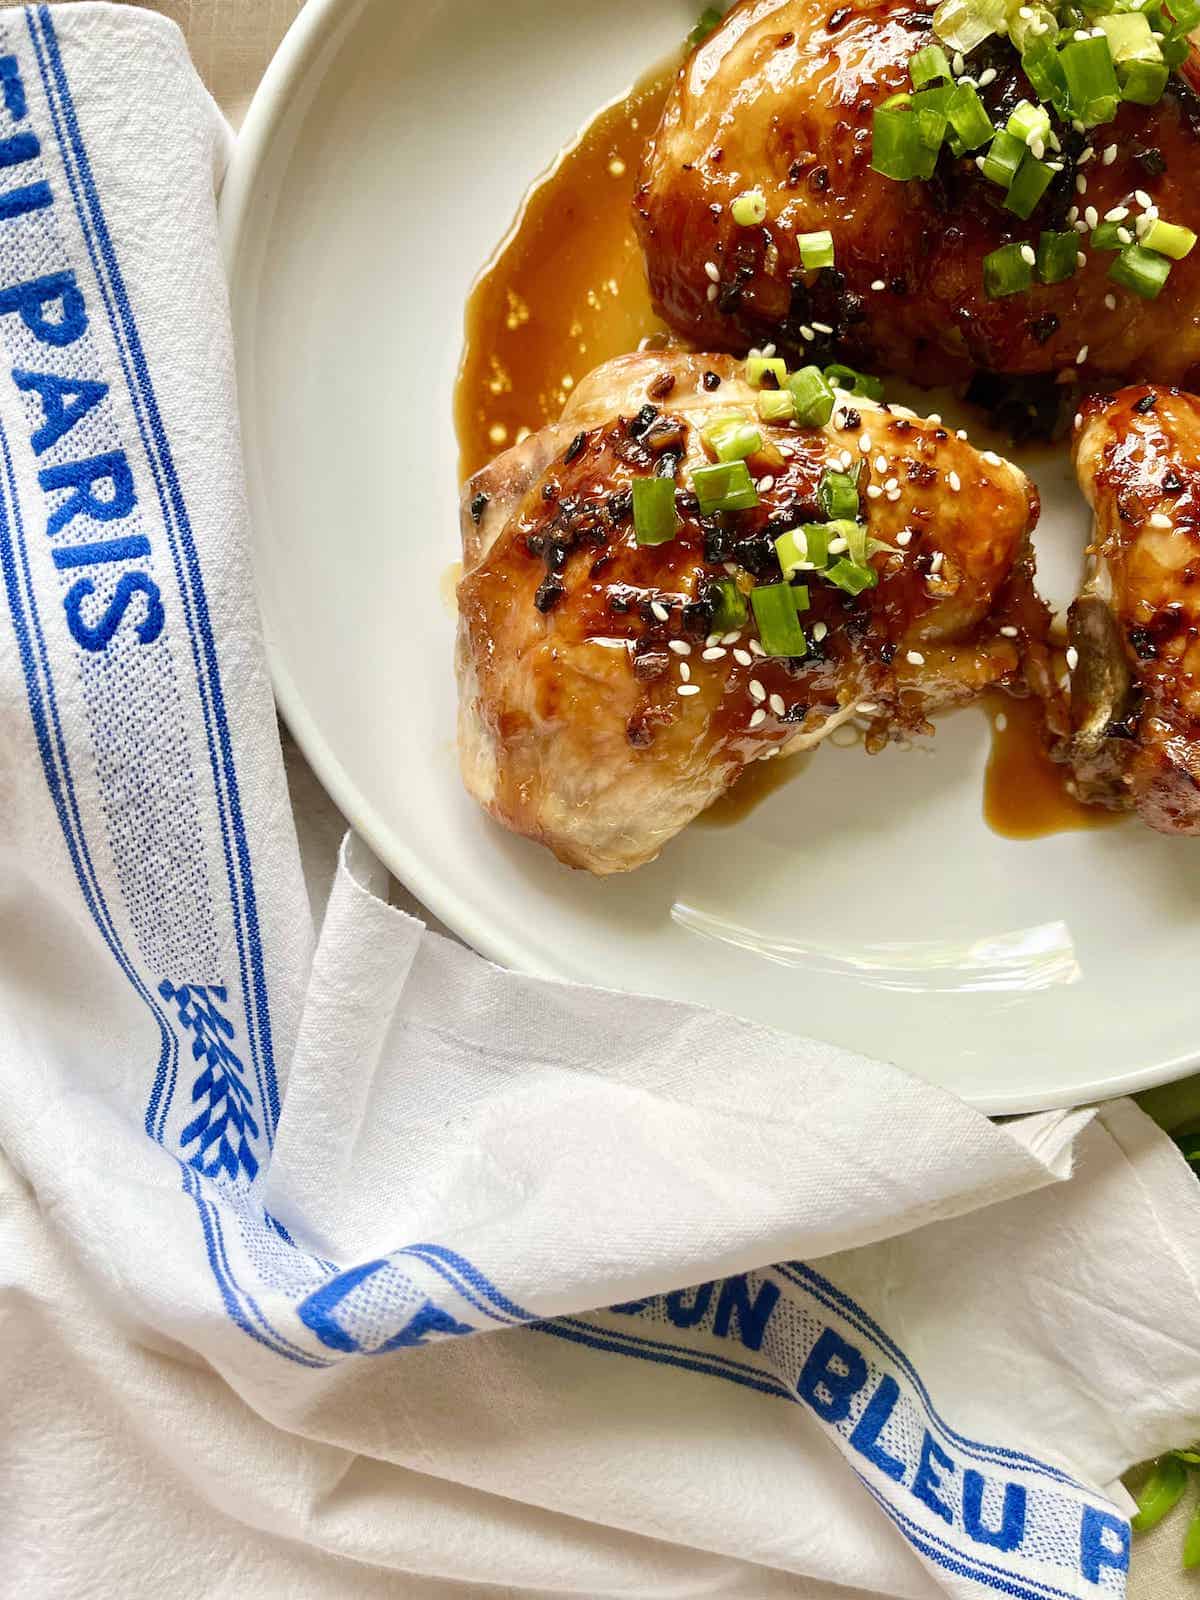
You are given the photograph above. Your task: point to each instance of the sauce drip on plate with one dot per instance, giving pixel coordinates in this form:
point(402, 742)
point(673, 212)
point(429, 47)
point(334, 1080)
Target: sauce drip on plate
point(567, 291)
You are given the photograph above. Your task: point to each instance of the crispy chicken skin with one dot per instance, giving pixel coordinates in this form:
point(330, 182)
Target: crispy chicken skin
point(599, 715)
point(1135, 694)
point(781, 98)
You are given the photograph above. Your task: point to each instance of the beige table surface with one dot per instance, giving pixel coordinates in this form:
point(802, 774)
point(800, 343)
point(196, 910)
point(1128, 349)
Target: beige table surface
point(231, 43)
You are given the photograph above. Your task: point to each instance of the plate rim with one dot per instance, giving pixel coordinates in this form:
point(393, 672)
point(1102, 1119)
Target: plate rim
point(311, 30)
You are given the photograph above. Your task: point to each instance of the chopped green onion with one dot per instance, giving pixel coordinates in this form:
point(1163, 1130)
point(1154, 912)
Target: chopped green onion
point(1169, 239)
point(729, 605)
point(1005, 272)
point(654, 516)
point(931, 111)
point(1029, 122)
point(816, 542)
point(1105, 236)
point(724, 487)
point(776, 405)
point(1175, 51)
point(812, 395)
point(779, 631)
point(962, 24)
point(757, 368)
point(1140, 270)
point(816, 249)
point(1057, 256)
point(1041, 65)
point(1142, 82)
point(1003, 158)
point(1160, 1493)
point(850, 578)
point(1091, 80)
point(855, 535)
point(928, 65)
point(1029, 24)
point(792, 549)
point(708, 19)
point(837, 495)
point(1186, 14)
point(1027, 188)
point(897, 150)
point(1129, 37)
point(1191, 1543)
point(966, 115)
point(749, 208)
point(800, 596)
point(853, 381)
point(731, 437)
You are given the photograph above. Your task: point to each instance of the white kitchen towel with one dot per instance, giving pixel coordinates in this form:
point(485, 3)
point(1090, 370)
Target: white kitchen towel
point(301, 1240)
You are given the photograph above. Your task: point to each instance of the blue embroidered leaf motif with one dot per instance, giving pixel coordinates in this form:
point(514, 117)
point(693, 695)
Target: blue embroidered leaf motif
point(224, 1125)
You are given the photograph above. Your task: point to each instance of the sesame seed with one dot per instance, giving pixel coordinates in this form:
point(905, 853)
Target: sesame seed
point(756, 649)
point(953, 479)
point(1080, 183)
point(730, 638)
point(743, 657)
point(867, 708)
point(960, 433)
point(757, 693)
point(1078, 418)
point(806, 333)
point(881, 463)
point(988, 75)
point(873, 493)
point(819, 631)
point(893, 494)
point(714, 654)
point(685, 689)
point(1027, 255)
point(991, 457)
point(1116, 214)
point(1037, 146)
point(1151, 213)
point(1077, 125)
point(713, 638)
point(878, 285)
point(904, 537)
point(1081, 34)
point(685, 671)
point(1092, 217)
point(1082, 356)
point(934, 416)
point(680, 646)
point(1073, 214)
point(1142, 198)
point(1000, 722)
point(957, 64)
point(1110, 300)
point(1080, 226)
point(766, 483)
point(711, 293)
point(979, 162)
point(660, 610)
point(1055, 166)
point(1009, 631)
point(935, 565)
point(890, 483)
point(864, 444)
point(846, 461)
point(776, 704)
point(768, 350)
point(1085, 155)
point(1159, 519)
point(822, 327)
point(757, 718)
point(1072, 658)
point(711, 272)
point(1080, 259)
point(914, 658)
point(1110, 155)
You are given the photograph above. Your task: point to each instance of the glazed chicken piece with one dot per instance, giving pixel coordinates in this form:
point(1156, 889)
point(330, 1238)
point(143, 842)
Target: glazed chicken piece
point(1135, 692)
point(780, 98)
point(602, 707)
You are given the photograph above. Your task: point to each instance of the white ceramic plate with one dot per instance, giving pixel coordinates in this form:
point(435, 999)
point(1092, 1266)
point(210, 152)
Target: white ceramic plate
point(383, 159)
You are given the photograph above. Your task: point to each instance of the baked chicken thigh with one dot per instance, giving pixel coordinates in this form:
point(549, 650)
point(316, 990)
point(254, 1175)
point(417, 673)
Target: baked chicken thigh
point(780, 102)
point(1135, 692)
point(611, 688)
